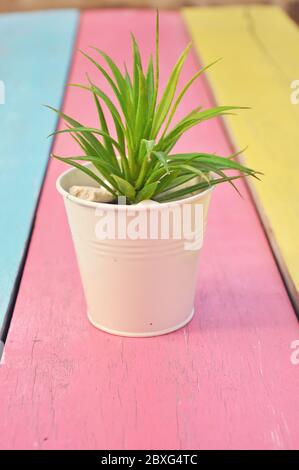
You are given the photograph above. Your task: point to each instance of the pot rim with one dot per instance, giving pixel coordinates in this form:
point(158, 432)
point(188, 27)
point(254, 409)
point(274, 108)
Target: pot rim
point(110, 206)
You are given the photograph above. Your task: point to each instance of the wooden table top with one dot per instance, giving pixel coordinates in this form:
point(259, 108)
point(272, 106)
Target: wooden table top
point(226, 380)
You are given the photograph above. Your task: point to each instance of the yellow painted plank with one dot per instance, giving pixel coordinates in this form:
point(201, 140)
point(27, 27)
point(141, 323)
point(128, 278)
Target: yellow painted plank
point(260, 50)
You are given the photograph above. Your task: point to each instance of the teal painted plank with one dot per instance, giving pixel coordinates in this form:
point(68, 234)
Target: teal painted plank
point(35, 53)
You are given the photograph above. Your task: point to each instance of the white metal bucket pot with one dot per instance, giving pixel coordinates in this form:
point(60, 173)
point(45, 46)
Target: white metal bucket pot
point(138, 264)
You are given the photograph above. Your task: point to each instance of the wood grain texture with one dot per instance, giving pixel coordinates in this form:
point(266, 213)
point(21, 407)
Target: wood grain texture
point(34, 59)
point(260, 46)
point(224, 381)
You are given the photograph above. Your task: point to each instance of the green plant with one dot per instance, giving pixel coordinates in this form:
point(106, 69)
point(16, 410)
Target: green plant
point(138, 162)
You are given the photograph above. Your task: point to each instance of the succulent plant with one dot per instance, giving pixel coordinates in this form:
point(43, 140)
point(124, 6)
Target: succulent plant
point(138, 162)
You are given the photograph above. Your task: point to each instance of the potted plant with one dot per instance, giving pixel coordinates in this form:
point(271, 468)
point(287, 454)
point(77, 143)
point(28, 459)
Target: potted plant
point(127, 193)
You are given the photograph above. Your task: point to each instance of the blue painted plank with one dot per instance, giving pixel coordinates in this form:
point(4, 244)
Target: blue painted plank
point(35, 53)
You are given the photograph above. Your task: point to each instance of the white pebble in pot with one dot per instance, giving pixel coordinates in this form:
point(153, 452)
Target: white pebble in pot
point(90, 193)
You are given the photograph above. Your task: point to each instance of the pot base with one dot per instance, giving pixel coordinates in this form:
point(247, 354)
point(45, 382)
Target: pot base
point(145, 334)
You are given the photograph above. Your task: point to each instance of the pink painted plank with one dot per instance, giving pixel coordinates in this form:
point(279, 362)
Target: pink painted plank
point(224, 382)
